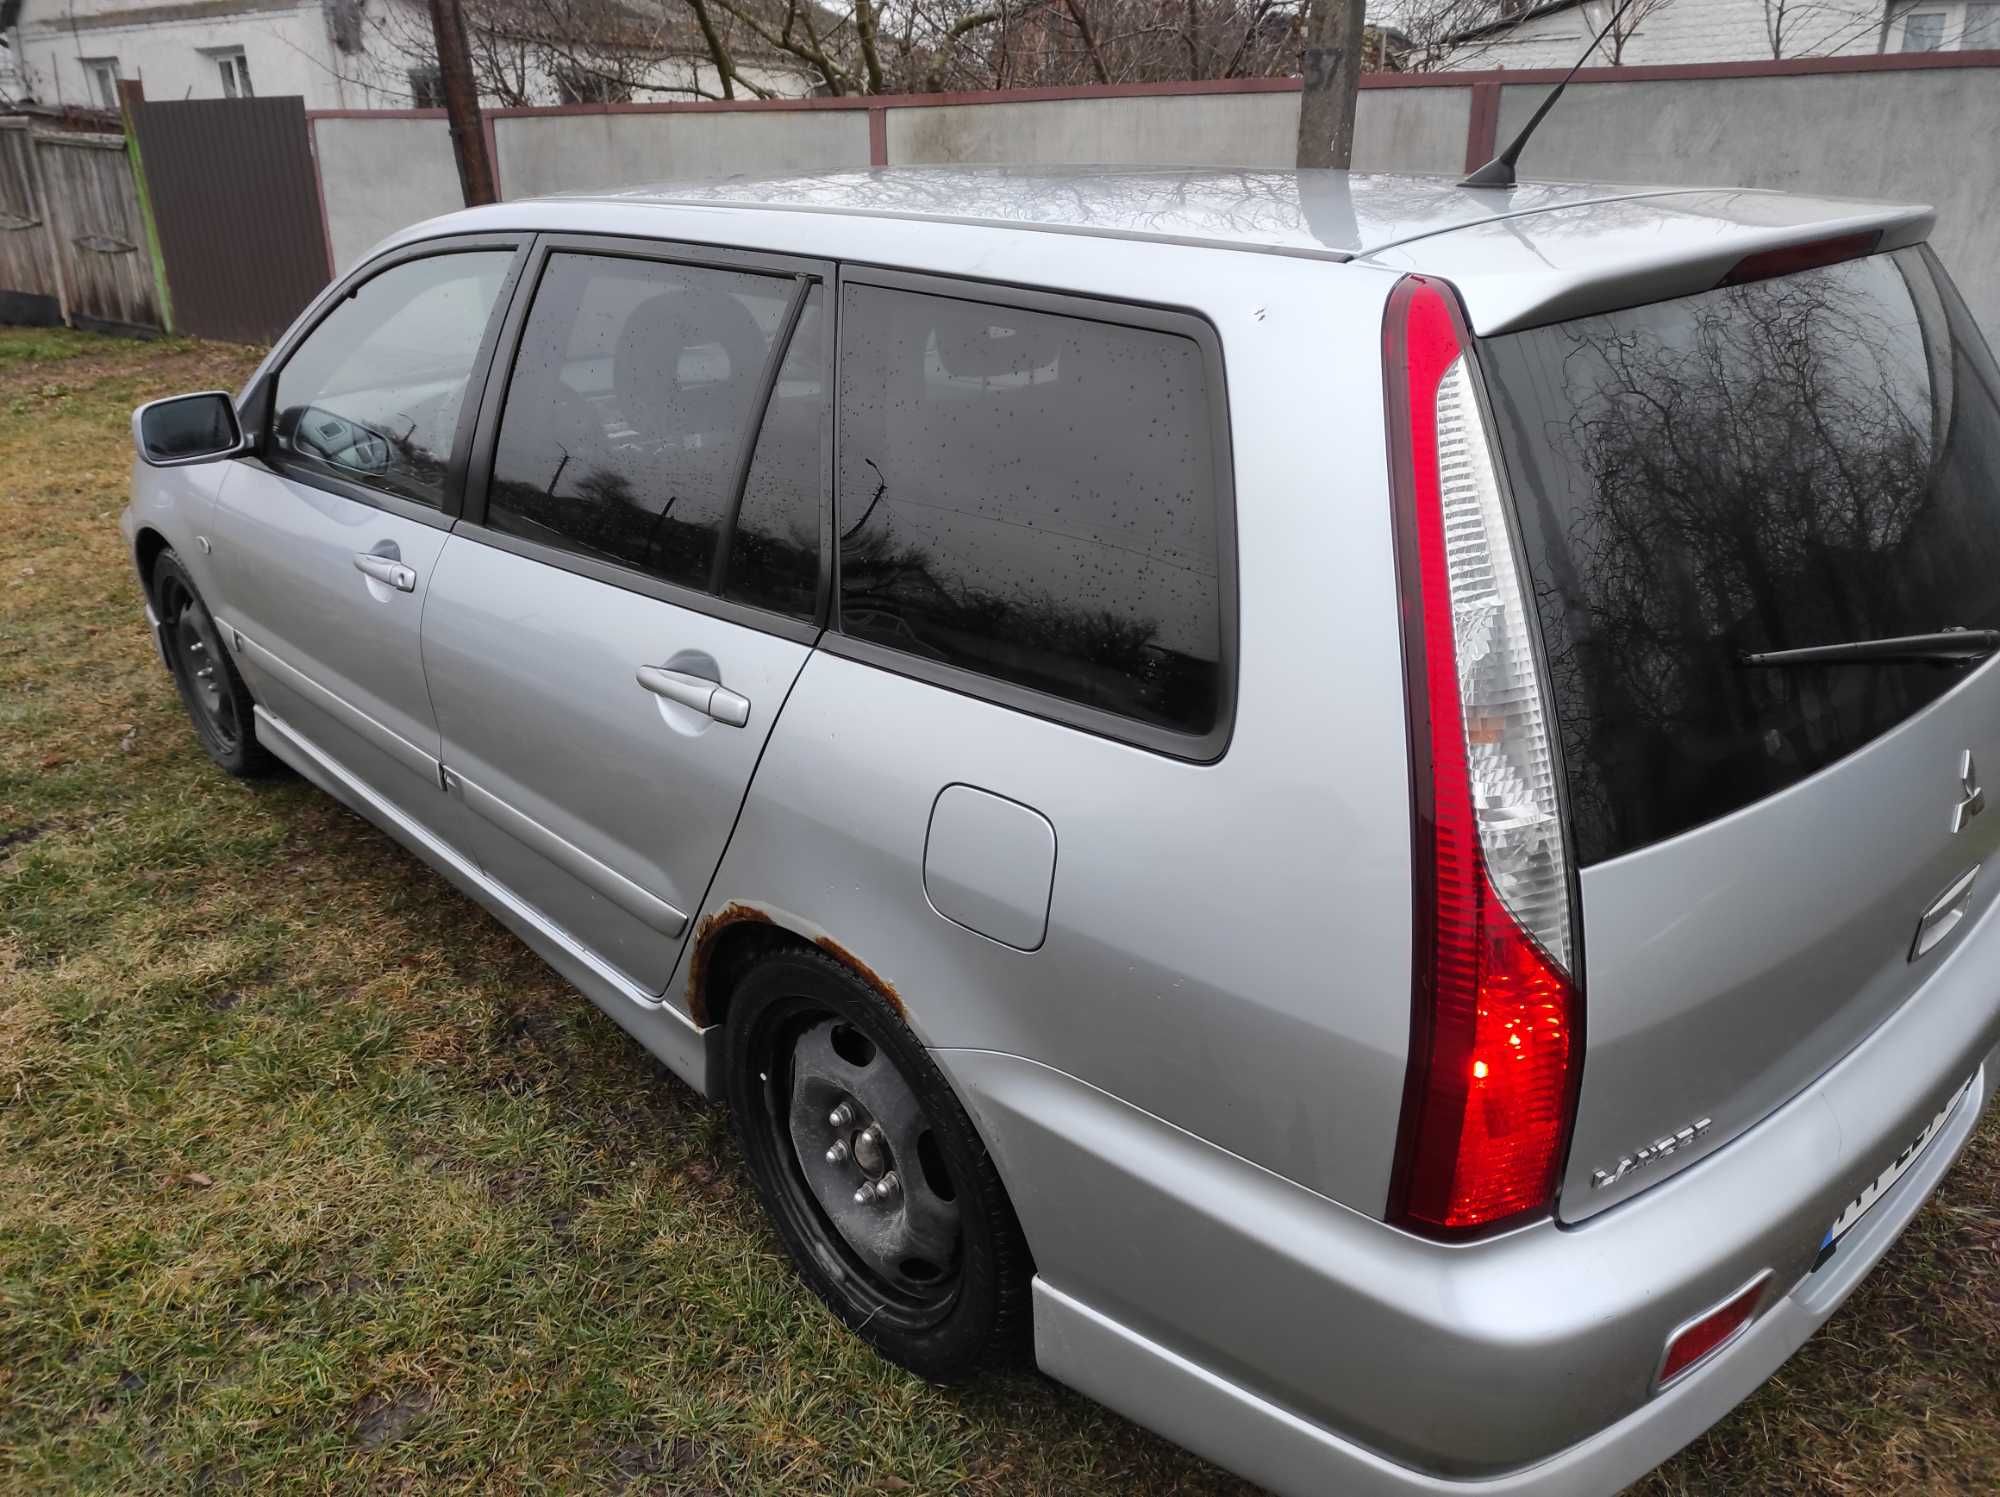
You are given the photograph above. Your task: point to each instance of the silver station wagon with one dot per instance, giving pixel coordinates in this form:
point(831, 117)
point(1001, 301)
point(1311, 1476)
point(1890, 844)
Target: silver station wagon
point(1347, 808)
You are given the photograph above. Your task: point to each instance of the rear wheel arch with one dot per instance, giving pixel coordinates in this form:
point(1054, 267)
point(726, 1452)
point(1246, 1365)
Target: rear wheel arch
point(732, 941)
point(729, 942)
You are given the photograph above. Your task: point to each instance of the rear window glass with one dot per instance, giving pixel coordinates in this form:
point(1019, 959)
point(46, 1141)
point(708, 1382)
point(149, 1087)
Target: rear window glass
point(1793, 462)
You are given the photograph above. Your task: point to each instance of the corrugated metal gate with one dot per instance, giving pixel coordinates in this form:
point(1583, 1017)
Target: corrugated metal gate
point(236, 203)
point(72, 237)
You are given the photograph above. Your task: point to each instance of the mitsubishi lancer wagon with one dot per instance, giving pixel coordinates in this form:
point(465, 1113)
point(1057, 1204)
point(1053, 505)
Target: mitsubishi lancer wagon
point(1347, 810)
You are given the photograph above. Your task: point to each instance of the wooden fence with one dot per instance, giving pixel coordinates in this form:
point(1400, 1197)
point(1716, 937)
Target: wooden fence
point(73, 243)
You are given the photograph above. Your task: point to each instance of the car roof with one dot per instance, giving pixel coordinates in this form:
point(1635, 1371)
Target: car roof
point(1330, 215)
point(1320, 214)
point(1518, 256)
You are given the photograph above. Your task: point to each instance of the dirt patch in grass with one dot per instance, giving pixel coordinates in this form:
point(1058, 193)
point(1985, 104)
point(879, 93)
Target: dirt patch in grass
point(312, 1178)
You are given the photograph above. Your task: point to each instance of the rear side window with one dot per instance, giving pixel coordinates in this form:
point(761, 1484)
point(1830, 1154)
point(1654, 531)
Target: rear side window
point(1801, 461)
point(636, 386)
point(1032, 497)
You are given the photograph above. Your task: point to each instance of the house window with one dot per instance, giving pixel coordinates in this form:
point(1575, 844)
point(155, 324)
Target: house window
point(235, 71)
point(577, 85)
point(1923, 31)
point(101, 73)
point(427, 87)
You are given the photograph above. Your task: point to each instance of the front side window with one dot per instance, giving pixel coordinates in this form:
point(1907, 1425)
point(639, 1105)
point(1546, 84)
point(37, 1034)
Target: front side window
point(373, 394)
point(1032, 497)
point(636, 386)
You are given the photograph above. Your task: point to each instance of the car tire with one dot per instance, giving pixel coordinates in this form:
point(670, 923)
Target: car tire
point(804, 1036)
point(211, 689)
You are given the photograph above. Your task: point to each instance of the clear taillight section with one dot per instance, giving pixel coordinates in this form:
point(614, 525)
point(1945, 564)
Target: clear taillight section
point(1494, 1035)
point(1508, 754)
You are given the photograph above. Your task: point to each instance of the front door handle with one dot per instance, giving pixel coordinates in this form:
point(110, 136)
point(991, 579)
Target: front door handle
point(705, 696)
point(386, 571)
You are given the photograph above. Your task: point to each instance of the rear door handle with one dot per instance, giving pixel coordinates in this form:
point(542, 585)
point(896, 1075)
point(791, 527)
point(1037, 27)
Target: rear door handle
point(719, 702)
point(386, 571)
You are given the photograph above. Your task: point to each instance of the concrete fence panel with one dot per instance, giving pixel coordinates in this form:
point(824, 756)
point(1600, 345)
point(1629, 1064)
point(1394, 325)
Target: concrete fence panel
point(1927, 135)
point(541, 152)
point(1901, 127)
point(1196, 129)
point(1410, 129)
point(381, 172)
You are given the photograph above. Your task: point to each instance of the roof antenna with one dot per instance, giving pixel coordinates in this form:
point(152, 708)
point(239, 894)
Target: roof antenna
point(1499, 172)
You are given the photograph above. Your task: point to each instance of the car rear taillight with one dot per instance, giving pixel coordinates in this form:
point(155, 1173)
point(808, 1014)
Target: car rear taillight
point(1495, 1034)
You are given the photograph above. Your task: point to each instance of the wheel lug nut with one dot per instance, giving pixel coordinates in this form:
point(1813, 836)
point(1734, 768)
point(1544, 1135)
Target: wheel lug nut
point(838, 1153)
point(887, 1186)
point(841, 1116)
point(865, 1194)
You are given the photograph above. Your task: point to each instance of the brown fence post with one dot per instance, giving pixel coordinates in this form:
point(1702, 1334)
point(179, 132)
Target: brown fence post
point(1482, 126)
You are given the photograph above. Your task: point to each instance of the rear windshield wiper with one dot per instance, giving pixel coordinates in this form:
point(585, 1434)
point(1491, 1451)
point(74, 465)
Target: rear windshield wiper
point(1947, 647)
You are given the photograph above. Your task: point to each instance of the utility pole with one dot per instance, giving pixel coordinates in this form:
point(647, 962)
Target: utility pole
point(461, 102)
point(1331, 64)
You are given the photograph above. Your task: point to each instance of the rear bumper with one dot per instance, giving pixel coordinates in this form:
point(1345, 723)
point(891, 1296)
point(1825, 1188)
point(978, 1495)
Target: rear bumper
point(1313, 1348)
point(1222, 1420)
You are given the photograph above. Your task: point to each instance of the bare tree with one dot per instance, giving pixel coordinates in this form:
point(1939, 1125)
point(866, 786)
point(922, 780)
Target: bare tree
point(1818, 28)
point(1443, 35)
point(1624, 25)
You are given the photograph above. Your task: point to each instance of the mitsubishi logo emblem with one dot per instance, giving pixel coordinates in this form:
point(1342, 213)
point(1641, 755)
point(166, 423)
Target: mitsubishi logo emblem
point(1975, 798)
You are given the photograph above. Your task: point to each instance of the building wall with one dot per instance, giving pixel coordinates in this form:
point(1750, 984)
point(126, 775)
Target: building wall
point(1684, 31)
point(289, 47)
point(285, 44)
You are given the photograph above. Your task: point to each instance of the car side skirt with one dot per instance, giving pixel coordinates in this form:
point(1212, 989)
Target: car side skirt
point(691, 1053)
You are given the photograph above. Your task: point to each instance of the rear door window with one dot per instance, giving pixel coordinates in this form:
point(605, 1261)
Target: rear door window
point(1033, 498)
point(637, 385)
point(1801, 461)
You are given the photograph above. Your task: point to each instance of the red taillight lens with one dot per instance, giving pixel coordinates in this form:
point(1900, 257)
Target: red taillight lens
point(1693, 1342)
point(1494, 1034)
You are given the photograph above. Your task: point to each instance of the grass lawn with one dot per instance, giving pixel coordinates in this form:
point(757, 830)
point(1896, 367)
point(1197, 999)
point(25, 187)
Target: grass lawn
point(311, 1176)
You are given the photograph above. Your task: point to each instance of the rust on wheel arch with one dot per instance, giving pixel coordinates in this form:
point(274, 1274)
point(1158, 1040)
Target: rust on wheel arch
point(866, 973)
point(735, 913)
point(705, 935)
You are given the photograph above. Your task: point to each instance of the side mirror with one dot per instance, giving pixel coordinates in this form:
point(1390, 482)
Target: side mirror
point(185, 429)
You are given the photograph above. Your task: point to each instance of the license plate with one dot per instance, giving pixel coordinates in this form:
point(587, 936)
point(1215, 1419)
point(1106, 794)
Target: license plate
point(1898, 1167)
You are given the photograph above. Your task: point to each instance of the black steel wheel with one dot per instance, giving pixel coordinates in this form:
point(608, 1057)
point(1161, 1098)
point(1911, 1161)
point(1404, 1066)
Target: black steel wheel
point(214, 694)
point(872, 1171)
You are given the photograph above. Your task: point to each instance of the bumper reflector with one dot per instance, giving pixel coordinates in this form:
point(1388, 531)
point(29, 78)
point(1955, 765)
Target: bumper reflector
point(1707, 1334)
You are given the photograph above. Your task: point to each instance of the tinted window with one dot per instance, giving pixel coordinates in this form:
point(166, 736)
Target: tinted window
point(1794, 462)
point(374, 392)
point(632, 394)
point(1031, 497)
point(773, 558)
